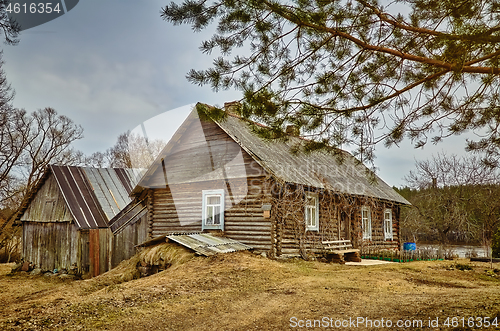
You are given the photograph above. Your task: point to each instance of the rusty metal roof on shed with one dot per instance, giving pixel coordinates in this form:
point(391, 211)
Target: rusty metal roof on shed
point(206, 244)
point(93, 195)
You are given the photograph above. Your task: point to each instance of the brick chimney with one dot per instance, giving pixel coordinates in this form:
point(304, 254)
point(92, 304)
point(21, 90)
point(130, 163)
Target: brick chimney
point(292, 130)
point(230, 107)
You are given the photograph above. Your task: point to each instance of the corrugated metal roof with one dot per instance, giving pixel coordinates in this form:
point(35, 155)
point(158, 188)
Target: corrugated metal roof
point(206, 244)
point(94, 195)
point(79, 197)
point(109, 189)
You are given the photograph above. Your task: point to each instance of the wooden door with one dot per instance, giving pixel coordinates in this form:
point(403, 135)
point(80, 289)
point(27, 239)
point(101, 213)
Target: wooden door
point(94, 252)
point(344, 233)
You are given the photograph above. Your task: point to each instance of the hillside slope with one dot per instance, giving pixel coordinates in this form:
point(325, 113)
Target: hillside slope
point(242, 291)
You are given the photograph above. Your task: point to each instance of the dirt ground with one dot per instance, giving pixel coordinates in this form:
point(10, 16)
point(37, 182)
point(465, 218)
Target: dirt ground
point(243, 291)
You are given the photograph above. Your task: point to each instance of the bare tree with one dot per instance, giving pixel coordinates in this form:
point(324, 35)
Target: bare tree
point(455, 195)
point(484, 213)
point(96, 160)
point(10, 243)
point(451, 170)
point(143, 151)
point(118, 154)
point(28, 143)
point(133, 151)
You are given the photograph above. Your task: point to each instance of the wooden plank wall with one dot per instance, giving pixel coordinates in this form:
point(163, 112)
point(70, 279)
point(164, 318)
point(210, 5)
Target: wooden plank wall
point(124, 242)
point(50, 245)
point(99, 251)
point(94, 251)
point(48, 204)
point(83, 247)
point(105, 236)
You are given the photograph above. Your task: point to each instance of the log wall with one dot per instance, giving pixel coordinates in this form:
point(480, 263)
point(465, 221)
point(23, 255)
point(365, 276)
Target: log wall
point(377, 209)
point(204, 157)
point(291, 235)
point(179, 210)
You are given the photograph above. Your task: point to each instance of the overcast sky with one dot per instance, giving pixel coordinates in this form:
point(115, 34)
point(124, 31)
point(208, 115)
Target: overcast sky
point(111, 65)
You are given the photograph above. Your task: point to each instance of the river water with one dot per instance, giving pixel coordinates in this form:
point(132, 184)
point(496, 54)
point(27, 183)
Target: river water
point(461, 250)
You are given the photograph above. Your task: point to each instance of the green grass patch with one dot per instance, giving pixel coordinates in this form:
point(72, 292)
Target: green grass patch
point(462, 267)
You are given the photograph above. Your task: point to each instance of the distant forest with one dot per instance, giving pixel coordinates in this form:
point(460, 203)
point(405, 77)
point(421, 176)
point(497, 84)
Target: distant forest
point(467, 214)
point(455, 200)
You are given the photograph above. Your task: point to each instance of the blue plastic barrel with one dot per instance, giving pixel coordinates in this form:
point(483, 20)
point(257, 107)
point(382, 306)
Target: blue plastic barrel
point(409, 246)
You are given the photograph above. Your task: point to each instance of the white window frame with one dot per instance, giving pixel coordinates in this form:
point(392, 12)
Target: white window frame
point(205, 206)
point(312, 210)
point(366, 222)
point(388, 224)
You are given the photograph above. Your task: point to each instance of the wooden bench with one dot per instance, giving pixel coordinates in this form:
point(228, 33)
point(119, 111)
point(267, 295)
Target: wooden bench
point(340, 251)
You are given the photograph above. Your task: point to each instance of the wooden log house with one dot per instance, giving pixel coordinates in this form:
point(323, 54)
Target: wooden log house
point(214, 176)
point(218, 176)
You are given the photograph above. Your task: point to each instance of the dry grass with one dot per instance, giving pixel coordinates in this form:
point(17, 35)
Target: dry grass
point(241, 291)
point(163, 255)
point(5, 268)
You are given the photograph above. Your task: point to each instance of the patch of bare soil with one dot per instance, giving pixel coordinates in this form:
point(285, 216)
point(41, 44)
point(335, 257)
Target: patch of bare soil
point(242, 291)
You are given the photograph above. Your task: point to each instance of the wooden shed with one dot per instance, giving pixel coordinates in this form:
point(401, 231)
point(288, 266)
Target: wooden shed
point(219, 176)
point(65, 223)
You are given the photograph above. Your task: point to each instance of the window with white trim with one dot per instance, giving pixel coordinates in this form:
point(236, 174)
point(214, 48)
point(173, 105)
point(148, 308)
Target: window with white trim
point(366, 222)
point(388, 224)
point(213, 210)
point(311, 212)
